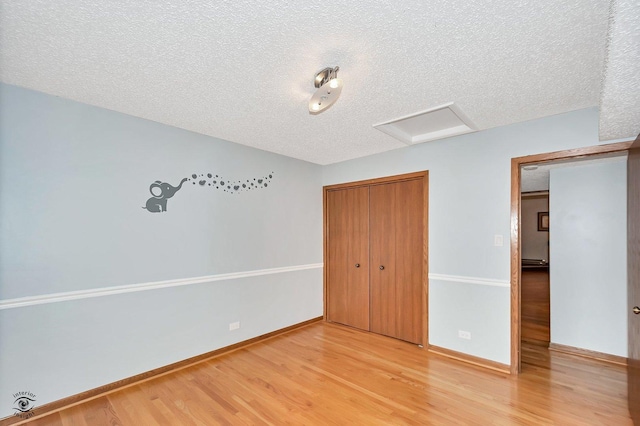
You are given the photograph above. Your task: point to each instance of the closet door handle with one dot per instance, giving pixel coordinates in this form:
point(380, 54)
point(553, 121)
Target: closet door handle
point(382, 267)
point(357, 265)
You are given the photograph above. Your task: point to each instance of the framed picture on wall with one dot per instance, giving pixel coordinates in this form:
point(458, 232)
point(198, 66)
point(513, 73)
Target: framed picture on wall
point(543, 221)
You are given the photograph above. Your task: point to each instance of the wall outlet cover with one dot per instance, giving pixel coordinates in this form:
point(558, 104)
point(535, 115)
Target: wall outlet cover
point(464, 334)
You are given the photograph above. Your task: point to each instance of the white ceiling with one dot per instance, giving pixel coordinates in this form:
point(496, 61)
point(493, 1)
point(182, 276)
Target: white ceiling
point(620, 100)
point(243, 70)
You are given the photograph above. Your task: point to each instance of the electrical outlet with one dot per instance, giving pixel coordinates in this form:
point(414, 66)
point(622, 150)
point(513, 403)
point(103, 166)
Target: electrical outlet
point(234, 326)
point(464, 334)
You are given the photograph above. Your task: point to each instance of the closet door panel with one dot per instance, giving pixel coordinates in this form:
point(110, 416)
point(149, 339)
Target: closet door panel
point(382, 208)
point(396, 222)
point(348, 257)
point(409, 260)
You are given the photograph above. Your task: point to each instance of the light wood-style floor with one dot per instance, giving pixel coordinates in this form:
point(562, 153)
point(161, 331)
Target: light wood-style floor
point(326, 374)
point(534, 305)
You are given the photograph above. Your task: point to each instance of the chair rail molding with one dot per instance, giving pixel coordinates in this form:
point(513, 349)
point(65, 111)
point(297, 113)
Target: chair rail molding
point(470, 280)
point(132, 288)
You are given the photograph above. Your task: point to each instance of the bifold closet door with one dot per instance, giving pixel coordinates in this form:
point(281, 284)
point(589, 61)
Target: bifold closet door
point(396, 213)
point(348, 251)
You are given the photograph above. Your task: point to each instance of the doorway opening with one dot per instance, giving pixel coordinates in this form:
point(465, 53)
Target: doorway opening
point(517, 165)
point(534, 267)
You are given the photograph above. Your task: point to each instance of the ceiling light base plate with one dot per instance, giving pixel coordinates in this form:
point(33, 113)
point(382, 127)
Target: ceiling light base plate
point(323, 76)
point(329, 89)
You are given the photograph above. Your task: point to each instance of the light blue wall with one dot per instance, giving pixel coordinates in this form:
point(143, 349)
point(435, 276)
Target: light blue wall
point(469, 203)
point(73, 180)
point(588, 241)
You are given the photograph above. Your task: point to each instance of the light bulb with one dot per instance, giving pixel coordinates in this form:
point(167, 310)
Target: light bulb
point(325, 96)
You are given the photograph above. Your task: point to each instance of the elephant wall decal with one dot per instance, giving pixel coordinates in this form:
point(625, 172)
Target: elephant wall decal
point(161, 192)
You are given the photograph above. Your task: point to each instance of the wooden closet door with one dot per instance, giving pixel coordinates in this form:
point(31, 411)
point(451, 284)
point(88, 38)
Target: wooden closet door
point(348, 257)
point(396, 213)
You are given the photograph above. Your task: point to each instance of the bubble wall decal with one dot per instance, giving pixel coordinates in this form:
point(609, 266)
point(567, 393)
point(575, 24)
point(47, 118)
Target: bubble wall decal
point(230, 186)
point(162, 191)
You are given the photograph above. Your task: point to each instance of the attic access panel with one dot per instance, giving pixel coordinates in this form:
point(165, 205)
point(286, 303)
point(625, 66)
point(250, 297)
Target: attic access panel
point(436, 123)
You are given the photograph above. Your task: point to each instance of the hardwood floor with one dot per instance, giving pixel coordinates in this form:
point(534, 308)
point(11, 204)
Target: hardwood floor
point(326, 374)
point(535, 306)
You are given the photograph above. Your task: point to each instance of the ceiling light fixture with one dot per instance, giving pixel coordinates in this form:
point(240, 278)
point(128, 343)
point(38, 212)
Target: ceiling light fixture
point(329, 88)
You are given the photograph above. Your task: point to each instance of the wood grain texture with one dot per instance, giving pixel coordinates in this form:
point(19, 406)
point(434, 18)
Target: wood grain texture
point(425, 260)
point(90, 395)
point(470, 359)
point(396, 220)
point(409, 260)
point(348, 257)
point(633, 276)
point(573, 153)
point(377, 181)
point(588, 354)
point(535, 306)
point(326, 374)
point(516, 262)
point(413, 256)
point(515, 247)
point(382, 219)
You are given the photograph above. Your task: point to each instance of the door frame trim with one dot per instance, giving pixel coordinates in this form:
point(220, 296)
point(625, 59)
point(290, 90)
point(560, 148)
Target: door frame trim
point(516, 164)
point(633, 281)
point(424, 175)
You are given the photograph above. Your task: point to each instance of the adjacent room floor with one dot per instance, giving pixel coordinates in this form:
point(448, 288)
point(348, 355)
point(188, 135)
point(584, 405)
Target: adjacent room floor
point(328, 374)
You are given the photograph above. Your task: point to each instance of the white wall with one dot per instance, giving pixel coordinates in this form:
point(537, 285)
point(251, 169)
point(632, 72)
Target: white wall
point(73, 180)
point(535, 244)
point(588, 223)
point(469, 190)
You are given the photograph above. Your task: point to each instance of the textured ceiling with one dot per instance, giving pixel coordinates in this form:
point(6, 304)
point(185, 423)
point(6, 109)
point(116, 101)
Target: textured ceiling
point(243, 70)
point(620, 101)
